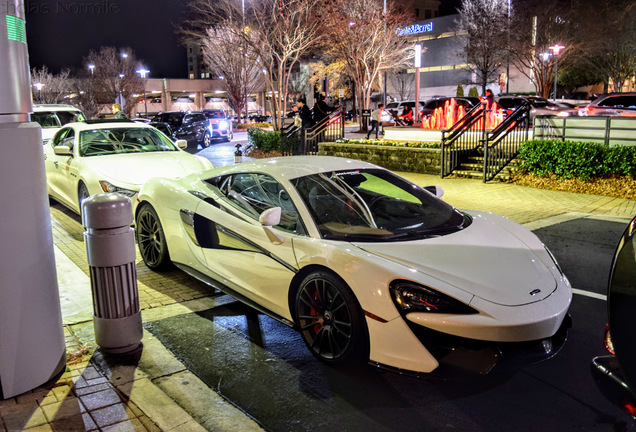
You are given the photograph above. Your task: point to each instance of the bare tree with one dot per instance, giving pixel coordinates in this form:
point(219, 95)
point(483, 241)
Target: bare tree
point(274, 35)
point(53, 89)
point(84, 96)
point(114, 73)
point(402, 83)
point(610, 40)
point(537, 27)
point(485, 23)
point(223, 53)
point(360, 35)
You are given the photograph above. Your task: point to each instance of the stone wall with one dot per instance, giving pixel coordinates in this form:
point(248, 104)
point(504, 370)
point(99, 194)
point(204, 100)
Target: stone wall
point(407, 159)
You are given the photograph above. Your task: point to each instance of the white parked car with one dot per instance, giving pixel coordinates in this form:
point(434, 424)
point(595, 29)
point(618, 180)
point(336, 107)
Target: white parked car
point(366, 265)
point(51, 117)
point(92, 157)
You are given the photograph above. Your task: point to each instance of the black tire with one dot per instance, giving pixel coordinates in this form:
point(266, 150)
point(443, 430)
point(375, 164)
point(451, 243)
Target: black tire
point(331, 320)
point(152, 240)
point(82, 194)
point(229, 137)
point(207, 139)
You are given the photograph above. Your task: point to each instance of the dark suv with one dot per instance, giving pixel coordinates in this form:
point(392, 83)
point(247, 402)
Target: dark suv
point(192, 126)
point(220, 124)
point(612, 104)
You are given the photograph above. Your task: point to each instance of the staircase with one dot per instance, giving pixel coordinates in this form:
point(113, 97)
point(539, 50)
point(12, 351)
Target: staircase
point(472, 166)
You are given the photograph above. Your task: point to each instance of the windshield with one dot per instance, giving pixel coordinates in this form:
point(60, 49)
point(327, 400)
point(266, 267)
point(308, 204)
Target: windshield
point(375, 205)
point(123, 140)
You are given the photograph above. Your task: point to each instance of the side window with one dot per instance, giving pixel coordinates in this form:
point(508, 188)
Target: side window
point(254, 193)
point(63, 137)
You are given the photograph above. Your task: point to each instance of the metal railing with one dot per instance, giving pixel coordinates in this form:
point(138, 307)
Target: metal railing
point(297, 140)
point(601, 129)
point(463, 138)
point(503, 142)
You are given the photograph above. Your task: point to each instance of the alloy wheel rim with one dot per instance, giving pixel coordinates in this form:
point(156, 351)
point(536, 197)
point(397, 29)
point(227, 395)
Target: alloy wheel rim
point(324, 319)
point(149, 237)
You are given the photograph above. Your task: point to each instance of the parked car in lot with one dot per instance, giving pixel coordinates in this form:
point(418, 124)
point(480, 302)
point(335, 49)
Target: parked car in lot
point(611, 104)
point(87, 158)
point(538, 106)
point(220, 124)
point(191, 126)
point(364, 264)
point(51, 117)
point(615, 374)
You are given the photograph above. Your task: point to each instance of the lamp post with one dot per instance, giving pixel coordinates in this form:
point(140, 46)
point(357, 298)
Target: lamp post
point(143, 73)
point(39, 86)
point(385, 71)
point(555, 49)
point(92, 68)
point(418, 65)
point(508, 55)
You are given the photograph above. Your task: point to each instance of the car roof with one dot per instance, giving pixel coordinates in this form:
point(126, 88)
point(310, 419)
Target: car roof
point(106, 124)
point(291, 167)
point(54, 107)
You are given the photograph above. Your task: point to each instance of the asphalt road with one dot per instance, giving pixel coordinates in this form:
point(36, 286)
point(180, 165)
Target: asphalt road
point(263, 367)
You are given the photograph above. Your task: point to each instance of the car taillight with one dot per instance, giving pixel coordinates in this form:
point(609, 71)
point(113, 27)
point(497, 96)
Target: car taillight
point(607, 340)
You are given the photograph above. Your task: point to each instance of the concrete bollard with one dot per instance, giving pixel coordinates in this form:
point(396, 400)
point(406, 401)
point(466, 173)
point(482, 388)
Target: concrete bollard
point(238, 154)
point(110, 246)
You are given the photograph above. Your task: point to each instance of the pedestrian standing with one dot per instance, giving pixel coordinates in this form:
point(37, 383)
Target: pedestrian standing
point(376, 115)
point(321, 109)
point(305, 114)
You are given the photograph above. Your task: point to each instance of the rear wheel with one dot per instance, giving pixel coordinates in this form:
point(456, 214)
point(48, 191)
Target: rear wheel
point(330, 319)
point(151, 239)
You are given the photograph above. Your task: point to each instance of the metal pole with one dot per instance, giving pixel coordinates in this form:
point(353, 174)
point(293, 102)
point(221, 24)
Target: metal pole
point(385, 71)
point(508, 54)
point(556, 67)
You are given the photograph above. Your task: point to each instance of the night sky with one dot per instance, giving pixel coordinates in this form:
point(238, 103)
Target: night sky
point(60, 33)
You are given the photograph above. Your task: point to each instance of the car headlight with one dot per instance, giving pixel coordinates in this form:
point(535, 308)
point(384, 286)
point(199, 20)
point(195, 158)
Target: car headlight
point(223, 124)
point(109, 187)
point(411, 297)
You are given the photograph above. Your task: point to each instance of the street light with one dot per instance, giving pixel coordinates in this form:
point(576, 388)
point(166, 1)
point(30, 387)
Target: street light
point(555, 49)
point(92, 68)
point(143, 73)
point(39, 86)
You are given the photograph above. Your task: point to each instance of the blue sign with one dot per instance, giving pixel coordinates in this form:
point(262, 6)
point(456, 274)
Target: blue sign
point(415, 29)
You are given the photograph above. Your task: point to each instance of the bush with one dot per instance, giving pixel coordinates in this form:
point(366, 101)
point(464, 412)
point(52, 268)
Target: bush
point(576, 159)
point(460, 91)
point(473, 92)
point(265, 141)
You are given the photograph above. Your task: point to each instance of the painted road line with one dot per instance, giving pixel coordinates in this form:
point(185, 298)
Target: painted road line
point(589, 294)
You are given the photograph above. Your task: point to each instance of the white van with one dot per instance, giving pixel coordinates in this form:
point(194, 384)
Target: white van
point(51, 117)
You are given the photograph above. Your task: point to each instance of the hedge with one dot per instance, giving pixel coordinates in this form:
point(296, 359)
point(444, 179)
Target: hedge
point(263, 140)
point(577, 159)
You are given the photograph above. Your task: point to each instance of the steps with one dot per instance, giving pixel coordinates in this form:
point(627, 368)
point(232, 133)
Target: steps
point(473, 167)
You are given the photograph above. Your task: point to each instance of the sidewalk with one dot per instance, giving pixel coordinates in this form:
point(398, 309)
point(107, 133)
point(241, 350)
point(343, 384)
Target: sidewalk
point(151, 390)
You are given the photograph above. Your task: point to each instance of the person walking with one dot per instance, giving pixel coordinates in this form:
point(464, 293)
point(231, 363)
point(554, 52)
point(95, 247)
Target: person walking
point(321, 109)
point(376, 116)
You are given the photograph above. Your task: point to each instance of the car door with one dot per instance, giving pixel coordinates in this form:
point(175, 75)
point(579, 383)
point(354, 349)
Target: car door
point(252, 260)
point(58, 167)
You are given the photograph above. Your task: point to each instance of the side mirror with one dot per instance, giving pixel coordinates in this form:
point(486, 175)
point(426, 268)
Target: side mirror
point(62, 150)
point(435, 190)
point(268, 219)
point(182, 144)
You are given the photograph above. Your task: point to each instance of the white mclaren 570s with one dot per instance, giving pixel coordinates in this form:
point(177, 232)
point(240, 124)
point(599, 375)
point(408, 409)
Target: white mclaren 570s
point(366, 265)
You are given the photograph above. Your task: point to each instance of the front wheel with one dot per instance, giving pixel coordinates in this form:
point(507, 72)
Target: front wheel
point(151, 239)
point(207, 139)
point(330, 320)
point(82, 194)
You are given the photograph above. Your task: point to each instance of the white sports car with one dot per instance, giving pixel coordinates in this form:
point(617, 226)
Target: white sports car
point(86, 158)
point(366, 265)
